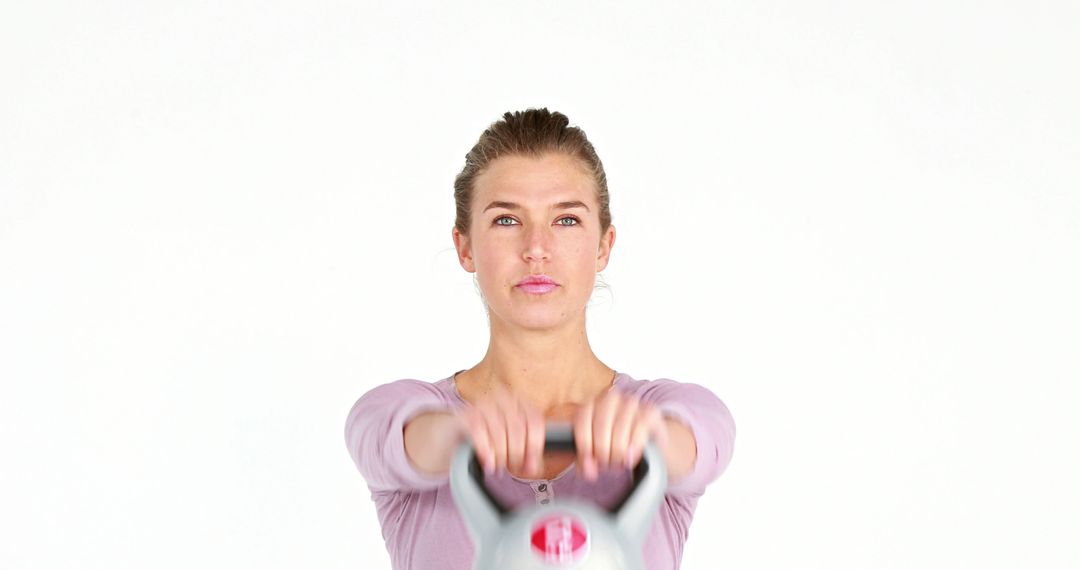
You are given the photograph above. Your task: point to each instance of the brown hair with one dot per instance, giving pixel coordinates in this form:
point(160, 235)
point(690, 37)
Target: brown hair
point(533, 132)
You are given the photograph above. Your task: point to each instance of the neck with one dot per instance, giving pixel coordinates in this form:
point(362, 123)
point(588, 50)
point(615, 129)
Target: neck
point(554, 369)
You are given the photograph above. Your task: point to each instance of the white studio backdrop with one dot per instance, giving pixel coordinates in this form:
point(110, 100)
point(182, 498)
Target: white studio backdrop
point(855, 222)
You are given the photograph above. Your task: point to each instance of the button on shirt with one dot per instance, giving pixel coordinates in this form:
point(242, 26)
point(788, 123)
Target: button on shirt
point(421, 525)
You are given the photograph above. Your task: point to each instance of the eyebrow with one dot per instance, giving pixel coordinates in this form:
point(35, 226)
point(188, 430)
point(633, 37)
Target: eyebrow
point(559, 206)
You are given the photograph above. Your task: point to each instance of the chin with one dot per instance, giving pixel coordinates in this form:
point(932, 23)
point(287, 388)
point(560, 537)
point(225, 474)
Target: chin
point(542, 324)
point(536, 318)
point(538, 322)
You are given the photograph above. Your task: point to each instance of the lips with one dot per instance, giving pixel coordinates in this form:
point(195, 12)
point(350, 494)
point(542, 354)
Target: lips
point(537, 284)
point(537, 280)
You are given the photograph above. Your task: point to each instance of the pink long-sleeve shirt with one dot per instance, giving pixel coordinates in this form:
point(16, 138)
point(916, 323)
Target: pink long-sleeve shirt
point(421, 525)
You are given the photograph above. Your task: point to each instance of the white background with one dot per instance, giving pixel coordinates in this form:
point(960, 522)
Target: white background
point(855, 222)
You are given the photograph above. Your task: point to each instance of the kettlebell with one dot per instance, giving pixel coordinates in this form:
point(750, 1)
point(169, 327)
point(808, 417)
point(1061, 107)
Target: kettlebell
point(563, 534)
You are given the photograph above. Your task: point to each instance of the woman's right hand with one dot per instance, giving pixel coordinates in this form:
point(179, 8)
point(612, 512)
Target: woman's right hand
point(506, 432)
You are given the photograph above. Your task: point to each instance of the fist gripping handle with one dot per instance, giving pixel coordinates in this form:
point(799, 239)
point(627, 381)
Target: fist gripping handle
point(649, 480)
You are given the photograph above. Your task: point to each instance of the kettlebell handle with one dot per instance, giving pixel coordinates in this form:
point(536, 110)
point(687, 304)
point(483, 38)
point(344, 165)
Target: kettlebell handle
point(638, 504)
point(559, 437)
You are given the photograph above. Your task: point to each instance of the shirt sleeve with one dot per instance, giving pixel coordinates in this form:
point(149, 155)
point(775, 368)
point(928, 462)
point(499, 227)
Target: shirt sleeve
point(374, 435)
point(710, 422)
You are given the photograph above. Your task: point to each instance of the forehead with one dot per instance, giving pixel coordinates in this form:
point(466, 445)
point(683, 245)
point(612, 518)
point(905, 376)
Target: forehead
point(536, 181)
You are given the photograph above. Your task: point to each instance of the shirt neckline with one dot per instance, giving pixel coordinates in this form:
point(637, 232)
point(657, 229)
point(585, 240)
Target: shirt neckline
point(453, 383)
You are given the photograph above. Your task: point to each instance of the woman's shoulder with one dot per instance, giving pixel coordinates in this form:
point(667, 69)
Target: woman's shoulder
point(662, 388)
point(412, 388)
point(629, 382)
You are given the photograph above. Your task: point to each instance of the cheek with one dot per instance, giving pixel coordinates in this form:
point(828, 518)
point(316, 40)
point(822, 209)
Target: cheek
point(584, 255)
point(491, 263)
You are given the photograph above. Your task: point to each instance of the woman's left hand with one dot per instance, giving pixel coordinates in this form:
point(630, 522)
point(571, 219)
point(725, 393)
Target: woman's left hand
point(611, 432)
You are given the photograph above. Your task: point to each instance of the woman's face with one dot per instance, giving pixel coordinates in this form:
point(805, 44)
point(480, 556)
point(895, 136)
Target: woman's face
point(535, 217)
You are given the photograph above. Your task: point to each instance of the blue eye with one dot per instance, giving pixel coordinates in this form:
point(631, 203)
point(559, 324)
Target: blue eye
point(559, 221)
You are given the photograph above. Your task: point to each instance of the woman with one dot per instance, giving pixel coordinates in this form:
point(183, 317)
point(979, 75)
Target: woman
point(534, 225)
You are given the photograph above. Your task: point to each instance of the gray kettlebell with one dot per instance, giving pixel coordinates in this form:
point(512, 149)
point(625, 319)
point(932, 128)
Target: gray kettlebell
point(564, 533)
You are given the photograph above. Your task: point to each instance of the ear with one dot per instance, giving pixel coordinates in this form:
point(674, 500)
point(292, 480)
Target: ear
point(464, 250)
point(607, 241)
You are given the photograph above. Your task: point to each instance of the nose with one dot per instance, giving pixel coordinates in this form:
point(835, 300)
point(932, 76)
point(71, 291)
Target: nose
point(537, 244)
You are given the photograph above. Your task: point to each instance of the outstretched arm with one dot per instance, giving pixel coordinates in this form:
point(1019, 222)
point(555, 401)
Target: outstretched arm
point(375, 435)
point(695, 419)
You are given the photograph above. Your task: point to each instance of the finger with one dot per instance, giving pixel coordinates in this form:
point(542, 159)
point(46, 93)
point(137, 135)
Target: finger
point(496, 430)
point(481, 441)
point(591, 468)
point(498, 434)
point(536, 433)
point(644, 428)
point(626, 415)
point(515, 431)
point(603, 418)
point(583, 439)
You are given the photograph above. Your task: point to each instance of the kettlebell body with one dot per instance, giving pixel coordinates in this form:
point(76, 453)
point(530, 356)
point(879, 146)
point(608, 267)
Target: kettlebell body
point(564, 534)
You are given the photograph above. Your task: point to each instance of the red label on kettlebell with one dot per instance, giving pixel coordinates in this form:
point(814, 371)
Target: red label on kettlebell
point(560, 539)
